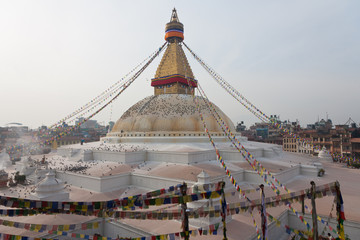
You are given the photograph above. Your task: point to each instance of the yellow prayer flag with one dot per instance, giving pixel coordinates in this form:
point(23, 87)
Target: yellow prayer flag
point(158, 202)
point(214, 195)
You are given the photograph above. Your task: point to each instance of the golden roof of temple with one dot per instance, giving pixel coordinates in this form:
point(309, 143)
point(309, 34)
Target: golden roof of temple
point(173, 62)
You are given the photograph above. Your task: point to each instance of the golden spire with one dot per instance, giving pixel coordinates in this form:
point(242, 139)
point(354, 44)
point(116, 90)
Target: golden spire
point(173, 74)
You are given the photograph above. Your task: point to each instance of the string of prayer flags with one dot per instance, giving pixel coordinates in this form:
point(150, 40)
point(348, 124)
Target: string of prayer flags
point(322, 221)
point(252, 164)
point(45, 227)
point(228, 133)
point(287, 227)
point(232, 91)
point(219, 158)
point(231, 209)
point(104, 205)
point(123, 87)
point(209, 230)
point(108, 91)
point(321, 191)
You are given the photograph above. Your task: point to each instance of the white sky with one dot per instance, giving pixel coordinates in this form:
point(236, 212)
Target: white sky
point(296, 59)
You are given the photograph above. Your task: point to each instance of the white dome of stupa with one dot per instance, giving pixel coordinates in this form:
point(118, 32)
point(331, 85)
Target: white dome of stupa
point(170, 116)
point(168, 113)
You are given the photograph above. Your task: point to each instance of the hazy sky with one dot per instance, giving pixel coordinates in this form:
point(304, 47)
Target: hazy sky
point(296, 59)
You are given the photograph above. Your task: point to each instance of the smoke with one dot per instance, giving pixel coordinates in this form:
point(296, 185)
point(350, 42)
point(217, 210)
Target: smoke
point(20, 141)
point(5, 161)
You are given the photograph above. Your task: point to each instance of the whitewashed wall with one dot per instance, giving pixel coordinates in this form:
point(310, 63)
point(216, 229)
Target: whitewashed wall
point(80, 180)
point(153, 182)
point(99, 230)
point(114, 229)
point(288, 174)
point(275, 232)
point(181, 157)
point(119, 181)
point(112, 183)
point(122, 157)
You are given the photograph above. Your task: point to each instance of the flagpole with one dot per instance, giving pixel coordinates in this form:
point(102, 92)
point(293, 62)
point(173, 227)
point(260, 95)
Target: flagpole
point(340, 211)
point(314, 215)
point(223, 209)
point(303, 204)
point(263, 213)
point(185, 223)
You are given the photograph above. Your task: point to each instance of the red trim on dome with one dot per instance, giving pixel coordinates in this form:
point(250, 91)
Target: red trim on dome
point(172, 79)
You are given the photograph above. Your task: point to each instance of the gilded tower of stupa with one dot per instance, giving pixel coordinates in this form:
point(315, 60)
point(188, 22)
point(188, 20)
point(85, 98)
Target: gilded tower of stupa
point(170, 115)
point(174, 74)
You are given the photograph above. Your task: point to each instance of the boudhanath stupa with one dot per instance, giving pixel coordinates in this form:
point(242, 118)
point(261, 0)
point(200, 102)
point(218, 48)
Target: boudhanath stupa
point(160, 142)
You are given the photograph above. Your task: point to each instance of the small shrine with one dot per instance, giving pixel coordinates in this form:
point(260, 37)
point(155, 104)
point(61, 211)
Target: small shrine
point(51, 188)
point(325, 155)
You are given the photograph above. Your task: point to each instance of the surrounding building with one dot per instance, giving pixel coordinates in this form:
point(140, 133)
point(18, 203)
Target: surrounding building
point(355, 143)
point(266, 132)
point(338, 139)
point(19, 140)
